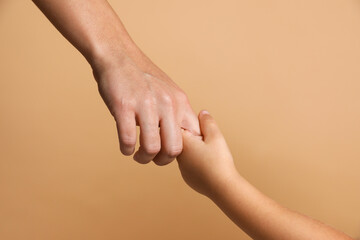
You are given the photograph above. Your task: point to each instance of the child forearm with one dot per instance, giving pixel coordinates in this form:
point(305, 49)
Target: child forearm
point(262, 218)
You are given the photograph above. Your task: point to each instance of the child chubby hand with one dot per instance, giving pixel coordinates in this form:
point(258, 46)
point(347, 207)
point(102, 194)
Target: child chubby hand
point(207, 166)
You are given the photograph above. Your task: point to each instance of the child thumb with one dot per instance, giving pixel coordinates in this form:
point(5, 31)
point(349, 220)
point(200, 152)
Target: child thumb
point(208, 126)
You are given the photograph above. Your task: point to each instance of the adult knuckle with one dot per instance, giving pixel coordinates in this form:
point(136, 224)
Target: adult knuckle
point(167, 100)
point(148, 101)
point(128, 141)
point(126, 103)
point(182, 97)
point(151, 149)
point(127, 138)
point(174, 151)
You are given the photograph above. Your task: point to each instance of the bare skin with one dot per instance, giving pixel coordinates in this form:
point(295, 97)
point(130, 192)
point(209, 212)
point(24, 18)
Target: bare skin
point(134, 89)
point(207, 166)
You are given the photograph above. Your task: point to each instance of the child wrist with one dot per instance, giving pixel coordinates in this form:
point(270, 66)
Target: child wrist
point(220, 186)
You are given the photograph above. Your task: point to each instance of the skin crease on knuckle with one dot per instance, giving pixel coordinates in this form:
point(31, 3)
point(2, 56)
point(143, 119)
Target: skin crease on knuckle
point(125, 104)
point(127, 140)
point(151, 149)
point(148, 102)
point(182, 97)
point(173, 152)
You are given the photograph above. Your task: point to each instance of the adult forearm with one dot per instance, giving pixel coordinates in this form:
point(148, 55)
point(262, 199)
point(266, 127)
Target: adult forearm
point(92, 27)
point(262, 218)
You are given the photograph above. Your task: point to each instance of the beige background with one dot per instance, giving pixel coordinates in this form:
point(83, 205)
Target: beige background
point(280, 77)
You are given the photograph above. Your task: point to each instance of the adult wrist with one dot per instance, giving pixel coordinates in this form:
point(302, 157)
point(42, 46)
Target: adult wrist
point(101, 58)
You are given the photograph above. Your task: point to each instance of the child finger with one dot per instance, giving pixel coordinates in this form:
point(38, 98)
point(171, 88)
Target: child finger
point(208, 126)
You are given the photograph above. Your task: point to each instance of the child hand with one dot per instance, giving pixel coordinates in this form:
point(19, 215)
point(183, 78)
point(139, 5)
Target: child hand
point(206, 164)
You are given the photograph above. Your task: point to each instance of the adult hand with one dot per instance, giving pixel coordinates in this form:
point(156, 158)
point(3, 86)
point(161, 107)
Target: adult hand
point(135, 90)
point(139, 93)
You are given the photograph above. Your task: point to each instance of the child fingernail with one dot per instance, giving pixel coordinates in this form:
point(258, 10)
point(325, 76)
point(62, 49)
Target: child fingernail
point(205, 112)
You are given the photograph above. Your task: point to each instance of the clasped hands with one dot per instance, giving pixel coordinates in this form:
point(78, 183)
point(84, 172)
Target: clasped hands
point(140, 94)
